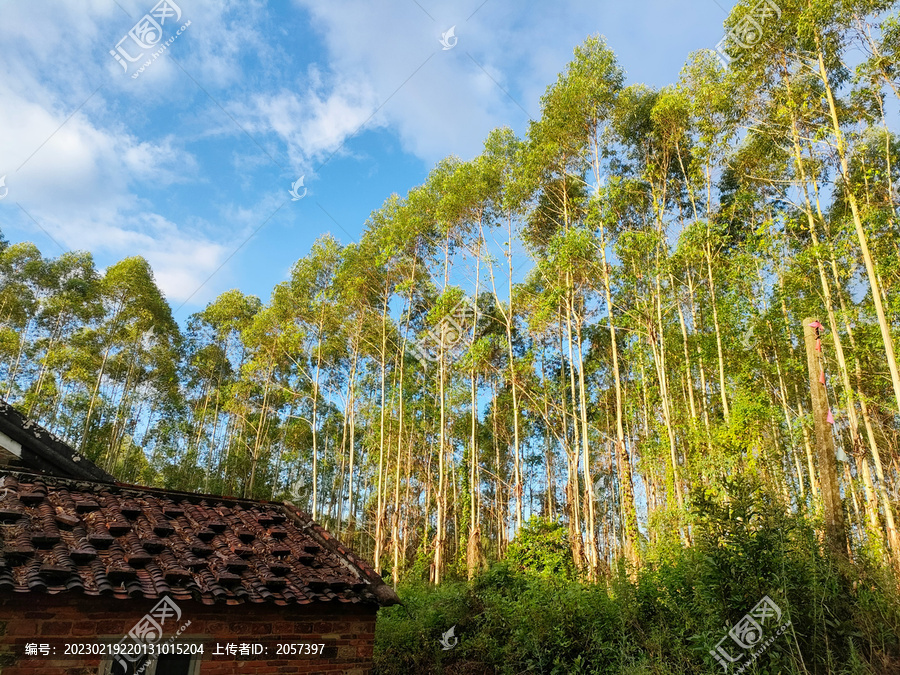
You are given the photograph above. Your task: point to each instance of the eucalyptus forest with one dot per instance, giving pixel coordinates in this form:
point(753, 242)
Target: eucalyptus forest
point(627, 377)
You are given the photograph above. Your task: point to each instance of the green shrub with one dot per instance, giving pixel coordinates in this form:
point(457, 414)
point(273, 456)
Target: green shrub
point(526, 614)
point(542, 548)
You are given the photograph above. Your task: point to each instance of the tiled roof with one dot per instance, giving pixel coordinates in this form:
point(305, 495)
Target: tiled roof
point(33, 448)
point(73, 536)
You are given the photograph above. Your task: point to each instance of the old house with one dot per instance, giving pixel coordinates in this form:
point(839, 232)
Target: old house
point(105, 578)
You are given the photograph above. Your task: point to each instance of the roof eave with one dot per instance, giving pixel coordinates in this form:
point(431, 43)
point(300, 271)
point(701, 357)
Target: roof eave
point(383, 593)
point(43, 451)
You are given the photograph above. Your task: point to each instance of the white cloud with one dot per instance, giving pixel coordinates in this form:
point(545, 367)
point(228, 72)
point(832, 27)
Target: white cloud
point(93, 180)
point(457, 97)
point(314, 124)
point(73, 165)
point(79, 186)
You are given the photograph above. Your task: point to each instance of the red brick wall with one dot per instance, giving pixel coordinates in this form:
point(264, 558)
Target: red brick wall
point(347, 631)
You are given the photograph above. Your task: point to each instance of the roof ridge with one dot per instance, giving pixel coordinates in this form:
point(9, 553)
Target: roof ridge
point(123, 487)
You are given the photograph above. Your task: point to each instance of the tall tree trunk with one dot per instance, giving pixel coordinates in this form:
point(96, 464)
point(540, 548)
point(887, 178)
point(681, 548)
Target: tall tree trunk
point(871, 501)
point(623, 461)
point(381, 497)
point(350, 412)
point(260, 427)
point(591, 524)
point(508, 320)
point(835, 532)
point(578, 443)
point(473, 560)
point(94, 393)
point(441, 536)
point(395, 515)
point(715, 311)
point(54, 336)
point(840, 147)
point(698, 329)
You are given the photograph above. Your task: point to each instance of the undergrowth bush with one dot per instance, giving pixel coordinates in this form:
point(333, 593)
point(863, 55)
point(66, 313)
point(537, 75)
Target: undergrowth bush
point(542, 548)
point(738, 546)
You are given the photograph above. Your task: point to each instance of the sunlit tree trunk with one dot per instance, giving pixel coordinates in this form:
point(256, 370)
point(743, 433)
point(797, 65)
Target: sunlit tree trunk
point(840, 147)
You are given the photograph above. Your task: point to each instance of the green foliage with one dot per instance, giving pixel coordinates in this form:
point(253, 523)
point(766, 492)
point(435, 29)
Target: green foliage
point(542, 548)
point(701, 221)
point(664, 618)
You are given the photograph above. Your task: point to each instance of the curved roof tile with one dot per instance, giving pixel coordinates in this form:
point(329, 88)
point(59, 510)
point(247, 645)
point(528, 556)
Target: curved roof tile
point(76, 536)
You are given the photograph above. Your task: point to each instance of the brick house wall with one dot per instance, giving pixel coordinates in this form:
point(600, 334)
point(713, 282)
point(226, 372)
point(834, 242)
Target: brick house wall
point(347, 630)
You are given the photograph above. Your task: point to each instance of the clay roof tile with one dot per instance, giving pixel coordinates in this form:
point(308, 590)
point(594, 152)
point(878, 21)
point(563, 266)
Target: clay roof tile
point(67, 536)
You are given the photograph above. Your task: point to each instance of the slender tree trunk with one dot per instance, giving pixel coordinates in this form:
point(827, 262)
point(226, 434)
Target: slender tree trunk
point(835, 532)
point(715, 311)
point(339, 506)
point(350, 412)
point(577, 444)
point(890, 525)
point(260, 426)
point(548, 450)
point(315, 414)
point(591, 523)
point(623, 462)
point(441, 536)
point(395, 516)
point(54, 336)
point(473, 560)
point(704, 402)
point(687, 355)
point(782, 397)
point(871, 501)
point(14, 369)
point(841, 149)
point(381, 497)
point(658, 346)
point(90, 411)
point(508, 320)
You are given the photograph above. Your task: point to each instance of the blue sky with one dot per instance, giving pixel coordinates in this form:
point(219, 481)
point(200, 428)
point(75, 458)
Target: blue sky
point(190, 163)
